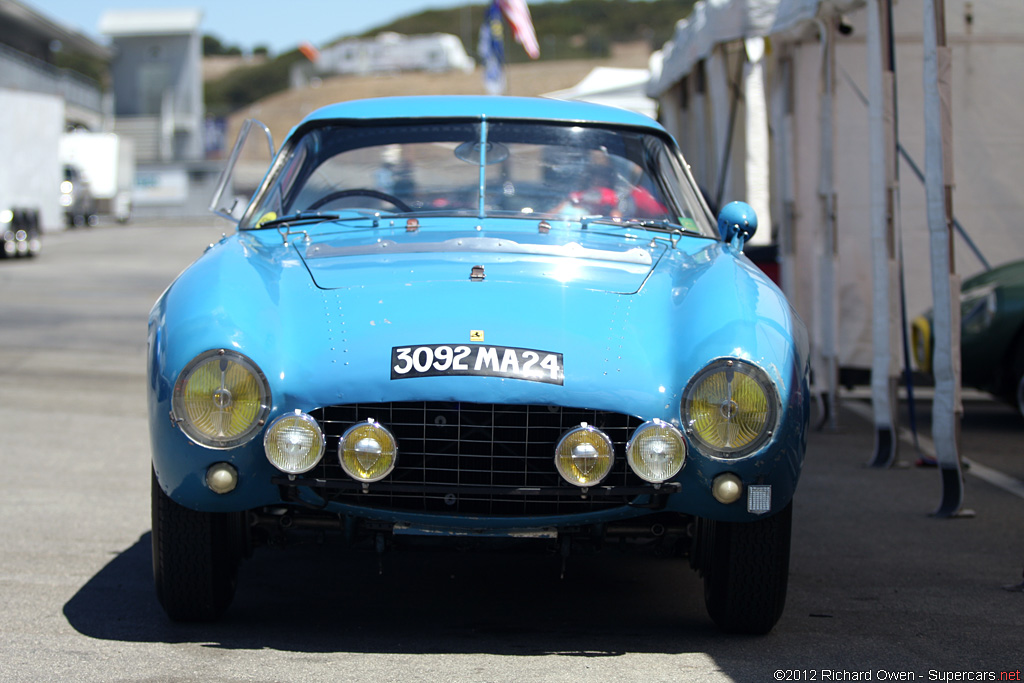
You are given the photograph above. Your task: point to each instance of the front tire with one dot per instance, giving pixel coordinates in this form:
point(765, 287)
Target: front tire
point(195, 558)
point(745, 566)
point(1017, 378)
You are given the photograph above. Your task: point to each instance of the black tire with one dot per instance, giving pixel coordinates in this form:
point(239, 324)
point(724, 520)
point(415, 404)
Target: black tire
point(195, 558)
point(1020, 393)
point(745, 566)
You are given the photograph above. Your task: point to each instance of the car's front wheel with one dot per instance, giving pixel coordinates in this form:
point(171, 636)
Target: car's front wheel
point(195, 558)
point(745, 566)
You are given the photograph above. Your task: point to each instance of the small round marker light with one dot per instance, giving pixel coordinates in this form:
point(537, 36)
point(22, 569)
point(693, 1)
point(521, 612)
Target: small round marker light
point(222, 478)
point(726, 488)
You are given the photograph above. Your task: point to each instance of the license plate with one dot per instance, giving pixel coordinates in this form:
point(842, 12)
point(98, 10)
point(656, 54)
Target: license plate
point(437, 360)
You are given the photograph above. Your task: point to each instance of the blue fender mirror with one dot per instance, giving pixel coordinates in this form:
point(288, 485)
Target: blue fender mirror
point(737, 223)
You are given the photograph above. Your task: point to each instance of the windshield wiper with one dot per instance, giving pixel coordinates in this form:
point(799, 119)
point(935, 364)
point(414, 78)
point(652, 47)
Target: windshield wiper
point(302, 217)
point(661, 224)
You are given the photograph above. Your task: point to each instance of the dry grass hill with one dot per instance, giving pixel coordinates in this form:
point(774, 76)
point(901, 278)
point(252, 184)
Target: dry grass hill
point(283, 110)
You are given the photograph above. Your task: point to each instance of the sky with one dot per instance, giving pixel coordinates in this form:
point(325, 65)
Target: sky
point(280, 25)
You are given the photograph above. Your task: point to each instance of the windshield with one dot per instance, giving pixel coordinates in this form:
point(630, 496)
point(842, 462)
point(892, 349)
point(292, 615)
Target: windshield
point(482, 168)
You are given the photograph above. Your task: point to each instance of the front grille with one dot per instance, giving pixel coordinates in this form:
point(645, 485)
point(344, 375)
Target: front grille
point(475, 458)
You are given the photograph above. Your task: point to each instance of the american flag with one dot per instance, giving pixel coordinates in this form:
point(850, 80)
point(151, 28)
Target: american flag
point(518, 15)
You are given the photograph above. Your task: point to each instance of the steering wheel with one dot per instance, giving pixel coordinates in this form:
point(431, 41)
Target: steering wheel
point(360, 192)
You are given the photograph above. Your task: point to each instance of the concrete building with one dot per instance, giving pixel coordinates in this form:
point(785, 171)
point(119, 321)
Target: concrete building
point(392, 52)
point(156, 75)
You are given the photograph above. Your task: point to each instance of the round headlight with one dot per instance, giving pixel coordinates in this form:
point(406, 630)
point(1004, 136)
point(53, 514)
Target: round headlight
point(730, 408)
point(221, 399)
point(656, 452)
point(920, 343)
point(584, 456)
point(368, 452)
point(294, 443)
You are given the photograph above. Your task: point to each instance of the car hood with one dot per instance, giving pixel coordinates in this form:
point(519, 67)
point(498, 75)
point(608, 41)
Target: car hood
point(328, 323)
point(602, 263)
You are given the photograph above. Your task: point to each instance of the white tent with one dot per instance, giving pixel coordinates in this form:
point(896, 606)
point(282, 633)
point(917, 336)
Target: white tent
point(799, 69)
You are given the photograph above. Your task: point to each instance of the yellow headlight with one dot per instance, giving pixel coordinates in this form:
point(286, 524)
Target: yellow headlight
point(730, 408)
point(368, 452)
point(584, 456)
point(921, 343)
point(294, 443)
point(656, 452)
point(221, 399)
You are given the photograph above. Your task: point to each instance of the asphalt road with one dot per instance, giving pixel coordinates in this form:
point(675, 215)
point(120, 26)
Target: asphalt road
point(878, 590)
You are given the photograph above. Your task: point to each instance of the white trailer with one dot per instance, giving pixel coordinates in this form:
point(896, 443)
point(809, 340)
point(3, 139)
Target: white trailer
point(30, 173)
point(108, 162)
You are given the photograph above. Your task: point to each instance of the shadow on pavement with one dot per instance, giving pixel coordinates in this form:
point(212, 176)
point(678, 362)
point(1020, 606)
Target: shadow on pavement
point(325, 599)
point(875, 584)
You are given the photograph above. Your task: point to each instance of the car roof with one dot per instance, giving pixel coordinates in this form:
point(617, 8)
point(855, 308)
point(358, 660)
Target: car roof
point(469, 106)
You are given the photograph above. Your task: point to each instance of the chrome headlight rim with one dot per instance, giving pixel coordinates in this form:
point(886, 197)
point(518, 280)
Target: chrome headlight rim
point(772, 400)
point(344, 440)
point(602, 437)
point(639, 432)
point(180, 415)
point(320, 444)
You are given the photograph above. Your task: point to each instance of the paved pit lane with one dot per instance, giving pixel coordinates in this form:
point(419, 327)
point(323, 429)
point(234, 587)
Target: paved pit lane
point(878, 589)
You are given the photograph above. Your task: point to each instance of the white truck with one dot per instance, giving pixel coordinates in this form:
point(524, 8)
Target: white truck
point(107, 162)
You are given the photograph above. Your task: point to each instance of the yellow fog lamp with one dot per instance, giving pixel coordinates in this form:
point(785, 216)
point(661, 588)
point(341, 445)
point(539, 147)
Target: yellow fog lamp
point(368, 452)
point(656, 452)
point(221, 399)
point(730, 408)
point(294, 443)
point(584, 456)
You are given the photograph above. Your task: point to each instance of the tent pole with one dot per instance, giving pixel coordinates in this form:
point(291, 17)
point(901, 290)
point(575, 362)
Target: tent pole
point(904, 332)
point(829, 264)
point(947, 408)
point(883, 240)
point(737, 92)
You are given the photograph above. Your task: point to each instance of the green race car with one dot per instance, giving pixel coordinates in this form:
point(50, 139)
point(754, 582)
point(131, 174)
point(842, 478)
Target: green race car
point(991, 334)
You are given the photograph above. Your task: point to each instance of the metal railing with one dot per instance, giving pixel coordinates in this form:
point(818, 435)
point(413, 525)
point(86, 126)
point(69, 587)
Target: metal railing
point(19, 71)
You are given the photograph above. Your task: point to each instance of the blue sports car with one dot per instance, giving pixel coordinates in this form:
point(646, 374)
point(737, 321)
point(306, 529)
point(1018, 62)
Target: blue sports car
point(460, 319)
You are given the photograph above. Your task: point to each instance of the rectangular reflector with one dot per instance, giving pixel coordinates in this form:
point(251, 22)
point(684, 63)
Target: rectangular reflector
point(759, 499)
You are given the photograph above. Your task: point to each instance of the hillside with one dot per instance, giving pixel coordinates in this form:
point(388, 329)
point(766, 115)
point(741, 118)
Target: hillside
point(283, 110)
point(567, 31)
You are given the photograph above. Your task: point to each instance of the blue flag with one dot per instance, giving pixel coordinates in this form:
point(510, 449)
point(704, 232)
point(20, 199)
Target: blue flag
point(492, 50)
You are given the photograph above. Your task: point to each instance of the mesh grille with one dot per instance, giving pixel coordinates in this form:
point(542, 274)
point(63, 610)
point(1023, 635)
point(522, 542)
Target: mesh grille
point(451, 447)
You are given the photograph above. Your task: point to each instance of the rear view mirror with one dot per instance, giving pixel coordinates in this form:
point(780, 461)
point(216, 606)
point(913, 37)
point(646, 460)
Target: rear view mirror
point(737, 223)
